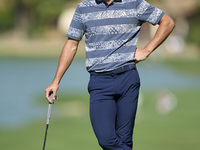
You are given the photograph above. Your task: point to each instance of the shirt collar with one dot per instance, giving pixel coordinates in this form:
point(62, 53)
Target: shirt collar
point(101, 1)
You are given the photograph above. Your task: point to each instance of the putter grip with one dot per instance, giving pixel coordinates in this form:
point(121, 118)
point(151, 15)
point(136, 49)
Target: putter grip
point(51, 97)
point(49, 108)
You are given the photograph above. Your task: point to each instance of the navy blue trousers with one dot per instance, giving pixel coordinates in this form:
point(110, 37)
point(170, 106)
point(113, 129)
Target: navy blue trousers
point(113, 106)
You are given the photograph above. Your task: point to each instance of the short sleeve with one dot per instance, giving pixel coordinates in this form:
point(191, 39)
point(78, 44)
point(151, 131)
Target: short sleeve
point(76, 29)
point(148, 13)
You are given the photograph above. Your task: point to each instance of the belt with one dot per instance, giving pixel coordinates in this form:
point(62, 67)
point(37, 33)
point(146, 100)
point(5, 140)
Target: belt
point(116, 71)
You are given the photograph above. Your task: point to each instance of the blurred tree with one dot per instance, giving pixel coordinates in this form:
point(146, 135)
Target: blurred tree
point(194, 22)
point(6, 16)
point(45, 14)
point(31, 15)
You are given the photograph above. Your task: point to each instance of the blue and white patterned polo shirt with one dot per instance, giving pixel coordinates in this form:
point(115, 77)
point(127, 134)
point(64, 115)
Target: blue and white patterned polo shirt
point(111, 31)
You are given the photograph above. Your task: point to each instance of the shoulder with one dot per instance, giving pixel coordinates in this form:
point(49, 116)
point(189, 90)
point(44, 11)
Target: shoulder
point(87, 3)
point(87, 6)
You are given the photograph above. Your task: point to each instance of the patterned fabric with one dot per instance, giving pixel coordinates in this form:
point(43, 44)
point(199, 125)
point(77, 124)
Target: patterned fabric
point(111, 31)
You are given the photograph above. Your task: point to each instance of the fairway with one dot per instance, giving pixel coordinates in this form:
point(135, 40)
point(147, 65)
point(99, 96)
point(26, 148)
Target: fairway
point(177, 130)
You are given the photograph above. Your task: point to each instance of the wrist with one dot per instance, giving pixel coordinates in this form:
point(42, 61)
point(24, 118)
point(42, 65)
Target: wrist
point(55, 81)
point(148, 51)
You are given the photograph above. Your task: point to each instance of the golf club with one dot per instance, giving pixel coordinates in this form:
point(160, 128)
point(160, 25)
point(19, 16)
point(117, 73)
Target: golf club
point(48, 118)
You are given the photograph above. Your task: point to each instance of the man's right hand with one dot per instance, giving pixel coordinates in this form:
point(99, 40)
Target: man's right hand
point(53, 87)
point(66, 57)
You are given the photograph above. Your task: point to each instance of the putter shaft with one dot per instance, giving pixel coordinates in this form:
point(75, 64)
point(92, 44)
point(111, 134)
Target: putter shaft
point(48, 119)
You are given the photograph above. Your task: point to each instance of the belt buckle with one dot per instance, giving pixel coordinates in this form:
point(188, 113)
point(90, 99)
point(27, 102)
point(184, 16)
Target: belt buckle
point(112, 73)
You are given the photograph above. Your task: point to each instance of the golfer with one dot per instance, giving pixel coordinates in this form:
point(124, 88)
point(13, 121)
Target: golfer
point(111, 29)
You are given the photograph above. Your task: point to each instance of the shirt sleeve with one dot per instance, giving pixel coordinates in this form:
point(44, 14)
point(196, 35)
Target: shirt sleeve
point(76, 29)
point(148, 13)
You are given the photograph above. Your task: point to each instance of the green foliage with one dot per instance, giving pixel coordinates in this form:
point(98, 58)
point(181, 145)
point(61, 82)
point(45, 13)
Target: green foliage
point(36, 13)
point(47, 11)
point(6, 19)
point(44, 14)
point(194, 22)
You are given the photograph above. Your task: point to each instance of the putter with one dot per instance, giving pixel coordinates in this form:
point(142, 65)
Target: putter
point(48, 118)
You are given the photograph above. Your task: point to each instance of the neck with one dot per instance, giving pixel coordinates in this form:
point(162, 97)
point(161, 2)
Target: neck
point(109, 1)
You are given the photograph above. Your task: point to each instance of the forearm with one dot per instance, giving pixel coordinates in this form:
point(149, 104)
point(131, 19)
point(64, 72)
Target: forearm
point(166, 26)
point(66, 57)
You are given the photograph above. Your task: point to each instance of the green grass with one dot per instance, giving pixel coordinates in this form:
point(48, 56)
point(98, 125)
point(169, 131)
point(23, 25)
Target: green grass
point(178, 130)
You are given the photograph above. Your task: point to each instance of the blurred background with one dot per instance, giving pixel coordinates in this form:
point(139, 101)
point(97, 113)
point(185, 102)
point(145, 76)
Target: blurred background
point(32, 34)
